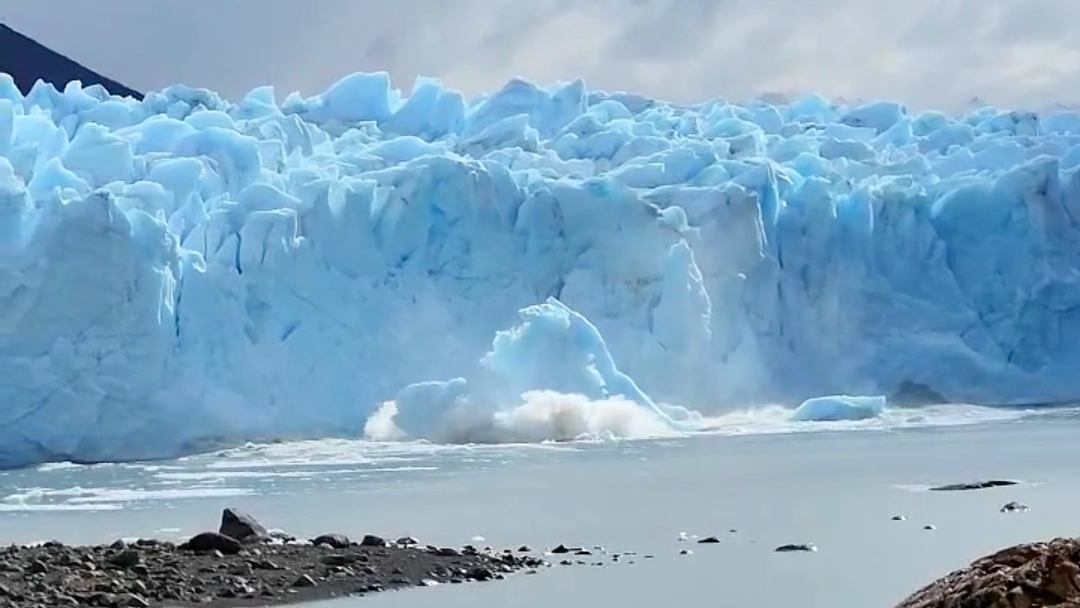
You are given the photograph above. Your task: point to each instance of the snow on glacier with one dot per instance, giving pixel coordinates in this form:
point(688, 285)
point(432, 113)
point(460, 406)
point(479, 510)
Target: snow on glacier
point(185, 272)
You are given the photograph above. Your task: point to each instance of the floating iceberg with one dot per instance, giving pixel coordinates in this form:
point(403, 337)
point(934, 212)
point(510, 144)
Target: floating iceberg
point(184, 271)
point(839, 407)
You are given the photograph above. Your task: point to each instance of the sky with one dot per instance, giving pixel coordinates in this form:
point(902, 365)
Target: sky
point(925, 53)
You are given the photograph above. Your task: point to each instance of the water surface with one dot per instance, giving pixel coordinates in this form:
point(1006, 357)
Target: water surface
point(837, 490)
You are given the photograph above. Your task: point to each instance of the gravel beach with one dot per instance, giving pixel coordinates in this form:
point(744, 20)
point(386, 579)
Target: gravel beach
point(215, 570)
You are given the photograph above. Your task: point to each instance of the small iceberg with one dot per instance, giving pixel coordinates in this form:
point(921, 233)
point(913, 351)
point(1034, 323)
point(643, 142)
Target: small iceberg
point(836, 408)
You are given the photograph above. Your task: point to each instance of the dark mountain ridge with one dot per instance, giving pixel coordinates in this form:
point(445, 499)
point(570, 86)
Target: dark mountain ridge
point(28, 61)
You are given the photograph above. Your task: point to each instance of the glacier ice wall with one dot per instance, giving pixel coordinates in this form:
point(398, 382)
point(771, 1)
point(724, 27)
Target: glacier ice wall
point(184, 271)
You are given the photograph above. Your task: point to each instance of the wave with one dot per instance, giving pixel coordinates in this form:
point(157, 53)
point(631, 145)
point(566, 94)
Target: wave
point(548, 416)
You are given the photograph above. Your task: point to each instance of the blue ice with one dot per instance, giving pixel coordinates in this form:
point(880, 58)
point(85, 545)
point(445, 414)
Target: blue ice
point(188, 270)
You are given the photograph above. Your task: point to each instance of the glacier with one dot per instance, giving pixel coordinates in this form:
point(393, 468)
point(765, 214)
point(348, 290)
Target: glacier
point(184, 272)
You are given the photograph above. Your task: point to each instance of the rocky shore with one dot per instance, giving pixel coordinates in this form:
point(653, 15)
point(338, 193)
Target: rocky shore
point(239, 565)
point(1034, 575)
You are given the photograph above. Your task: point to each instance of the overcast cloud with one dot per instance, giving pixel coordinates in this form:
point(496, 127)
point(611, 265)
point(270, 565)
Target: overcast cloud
point(928, 53)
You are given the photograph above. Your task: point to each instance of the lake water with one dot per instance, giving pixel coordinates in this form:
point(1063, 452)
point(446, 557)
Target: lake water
point(837, 489)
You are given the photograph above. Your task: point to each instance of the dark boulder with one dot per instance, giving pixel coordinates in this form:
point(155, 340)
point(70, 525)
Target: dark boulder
point(371, 540)
point(212, 541)
point(128, 558)
point(242, 527)
point(337, 541)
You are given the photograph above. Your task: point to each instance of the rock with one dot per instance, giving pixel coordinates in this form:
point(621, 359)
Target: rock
point(929, 527)
point(336, 559)
point(407, 541)
point(213, 541)
point(304, 581)
point(37, 567)
point(242, 527)
point(560, 549)
point(794, 547)
point(337, 541)
point(709, 540)
point(525, 549)
point(1025, 576)
point(125, 559)
point(281, 536)
point(899, 518)
point(481, 574)
point(1014, 507)
point(977, 485)
point(370, 540)
point(132, 600)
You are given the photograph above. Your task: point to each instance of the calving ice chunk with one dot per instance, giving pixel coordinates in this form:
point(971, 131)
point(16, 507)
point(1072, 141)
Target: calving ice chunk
point(548, 377)
point(185, 272)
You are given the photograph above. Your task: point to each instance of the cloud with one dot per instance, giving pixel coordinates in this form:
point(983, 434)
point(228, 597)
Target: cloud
point(928, 53)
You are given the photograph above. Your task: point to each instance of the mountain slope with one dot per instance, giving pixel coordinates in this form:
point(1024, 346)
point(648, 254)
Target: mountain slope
point(28, 61)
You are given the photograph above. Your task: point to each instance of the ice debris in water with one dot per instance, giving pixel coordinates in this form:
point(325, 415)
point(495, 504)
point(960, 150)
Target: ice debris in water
point(839, 407)
point(183, 271)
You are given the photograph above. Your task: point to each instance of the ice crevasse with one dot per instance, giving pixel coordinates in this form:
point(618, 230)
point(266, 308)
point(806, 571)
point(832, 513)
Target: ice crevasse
point(185, 271)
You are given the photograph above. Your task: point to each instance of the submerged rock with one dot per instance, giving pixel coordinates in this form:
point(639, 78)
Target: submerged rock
point(796, 547)
point(977, 485)
point(1036, 575)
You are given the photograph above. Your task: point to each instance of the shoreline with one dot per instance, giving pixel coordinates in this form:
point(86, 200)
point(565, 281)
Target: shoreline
point(840, 492)
point(216, 570)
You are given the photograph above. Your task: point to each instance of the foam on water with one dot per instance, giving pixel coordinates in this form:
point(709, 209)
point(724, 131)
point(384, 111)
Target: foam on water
point(555, 424)
point(546, 416)
point(542, 416)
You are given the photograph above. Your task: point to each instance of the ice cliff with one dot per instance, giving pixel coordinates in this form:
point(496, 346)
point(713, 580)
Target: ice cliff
point(182, 271)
